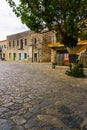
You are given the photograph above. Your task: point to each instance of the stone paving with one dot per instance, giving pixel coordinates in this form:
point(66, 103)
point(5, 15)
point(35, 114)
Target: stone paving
point(33, 96)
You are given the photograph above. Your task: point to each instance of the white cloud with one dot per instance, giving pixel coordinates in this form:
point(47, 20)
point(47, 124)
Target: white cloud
point(9, 23)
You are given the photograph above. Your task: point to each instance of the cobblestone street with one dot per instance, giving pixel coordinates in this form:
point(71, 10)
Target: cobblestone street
point(33, 96)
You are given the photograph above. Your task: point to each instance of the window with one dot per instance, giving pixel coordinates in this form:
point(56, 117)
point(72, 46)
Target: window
point(9, 44)
point(21, 44)
point(4, 46)
point(0, 48)
point(17, 42)
point(25, 41)
point(25, 55)
point(13, 43)
point(34, 41)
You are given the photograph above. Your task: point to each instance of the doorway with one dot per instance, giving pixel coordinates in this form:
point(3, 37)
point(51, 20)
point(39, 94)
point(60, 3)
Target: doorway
point(14, 56)
point(19, 56)
point(35, 57)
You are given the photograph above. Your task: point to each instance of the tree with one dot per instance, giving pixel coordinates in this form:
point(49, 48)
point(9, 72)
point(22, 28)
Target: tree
point(83, 36)
point(65, 17)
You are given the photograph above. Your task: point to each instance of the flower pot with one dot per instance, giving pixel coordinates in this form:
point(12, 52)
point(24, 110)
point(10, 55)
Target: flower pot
point(53, 66)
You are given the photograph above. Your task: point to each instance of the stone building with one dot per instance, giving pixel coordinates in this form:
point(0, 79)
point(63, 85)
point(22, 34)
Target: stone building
point(60, 54)
point(29, 46)
point(18, 46)
point(39, 46)
point(83, 58)
point(3, 50)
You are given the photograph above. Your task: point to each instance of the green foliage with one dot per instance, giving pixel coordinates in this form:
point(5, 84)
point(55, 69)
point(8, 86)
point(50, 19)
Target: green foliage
point(66, 17)
point(83, 36)
point(76, 70)
point(54, 63)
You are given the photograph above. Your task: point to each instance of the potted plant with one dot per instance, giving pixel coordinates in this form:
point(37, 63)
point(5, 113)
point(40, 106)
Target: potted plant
point(53, 65)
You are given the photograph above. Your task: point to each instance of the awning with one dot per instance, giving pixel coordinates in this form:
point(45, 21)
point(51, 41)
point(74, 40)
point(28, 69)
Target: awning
point(75, 50)
point(82, 42)
point(82, 48)
point(58, 44)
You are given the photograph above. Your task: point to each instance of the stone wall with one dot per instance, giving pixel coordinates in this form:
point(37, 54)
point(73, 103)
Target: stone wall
point(19, 35)
point(38, 42)
point(48, 37)
point(3, 50)
point(41, 48)
point(83, 59)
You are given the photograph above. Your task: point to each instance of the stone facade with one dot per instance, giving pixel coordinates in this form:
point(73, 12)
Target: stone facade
point(30, 46)
point(18, 46)
point(60, 54)
point(3, 50)
point(83, 58)
point(41, 51)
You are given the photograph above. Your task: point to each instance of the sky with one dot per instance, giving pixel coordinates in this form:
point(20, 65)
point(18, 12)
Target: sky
point(9, 23)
